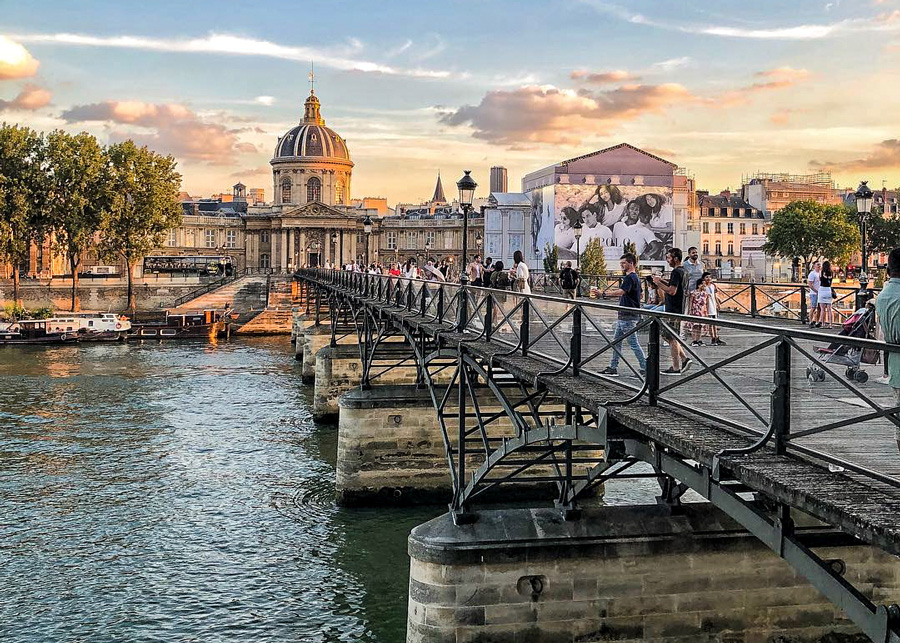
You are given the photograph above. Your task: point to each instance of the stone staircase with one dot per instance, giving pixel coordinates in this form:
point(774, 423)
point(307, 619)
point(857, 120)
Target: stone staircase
point(272, 321)
point(246, 294)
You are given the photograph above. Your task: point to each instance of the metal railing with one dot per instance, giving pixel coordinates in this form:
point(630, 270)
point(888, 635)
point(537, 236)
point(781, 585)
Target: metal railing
point(804, 392)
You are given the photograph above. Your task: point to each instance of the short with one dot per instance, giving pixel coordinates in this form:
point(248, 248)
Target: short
point(813, 299)
point(676, 329)
point(569, 293)
point(825, 295)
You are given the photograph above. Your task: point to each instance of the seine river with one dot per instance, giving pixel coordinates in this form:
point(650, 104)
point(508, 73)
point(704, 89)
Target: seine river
point(182, 492)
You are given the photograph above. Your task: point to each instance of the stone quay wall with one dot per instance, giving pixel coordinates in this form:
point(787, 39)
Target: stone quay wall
point(96, 296)
point(631, 574)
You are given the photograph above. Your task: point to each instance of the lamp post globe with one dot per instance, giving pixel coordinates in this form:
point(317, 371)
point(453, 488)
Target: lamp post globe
point(864, 200)
point(466, 186)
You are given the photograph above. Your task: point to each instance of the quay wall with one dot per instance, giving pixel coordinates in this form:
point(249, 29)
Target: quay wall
point(96, 296)
point(633, 574)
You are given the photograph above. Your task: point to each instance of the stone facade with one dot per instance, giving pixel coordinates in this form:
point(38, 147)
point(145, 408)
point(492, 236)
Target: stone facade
point(633, 574)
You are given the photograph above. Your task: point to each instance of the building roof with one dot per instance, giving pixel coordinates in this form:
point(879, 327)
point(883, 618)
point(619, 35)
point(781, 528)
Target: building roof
point(616, 147)
point(311, 138)
point(510, 199)
point(724, 201)
point(438, 196)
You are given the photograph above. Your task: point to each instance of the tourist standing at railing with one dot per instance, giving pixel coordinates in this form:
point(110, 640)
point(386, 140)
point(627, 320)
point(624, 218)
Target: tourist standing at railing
point(674, 290)
point(569, 280)
point(475, 271)
point(887, 307)
point(629, 294)
point(694, 268)
point(826, 295)
point(712, 308)
point(655, 297)
point(519, 274)
point(814, 281)
point(488, 272)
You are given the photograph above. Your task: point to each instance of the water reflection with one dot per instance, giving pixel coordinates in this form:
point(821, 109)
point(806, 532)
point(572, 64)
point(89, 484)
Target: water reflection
point(181, 492)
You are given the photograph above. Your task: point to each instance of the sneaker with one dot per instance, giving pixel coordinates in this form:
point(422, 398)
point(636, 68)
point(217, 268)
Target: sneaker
point(610, 372)
point(719, 342)
point(884, 379)
point(671, 371)
point(818, 324)
point(696, 342)
point(686, 365)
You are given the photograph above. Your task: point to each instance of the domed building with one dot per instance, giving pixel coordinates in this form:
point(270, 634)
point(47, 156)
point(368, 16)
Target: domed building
point(310, 221)
point(311, 163)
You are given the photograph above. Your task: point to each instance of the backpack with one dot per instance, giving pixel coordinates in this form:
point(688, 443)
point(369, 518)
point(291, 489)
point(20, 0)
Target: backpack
point(567, 279)
point(500, 280)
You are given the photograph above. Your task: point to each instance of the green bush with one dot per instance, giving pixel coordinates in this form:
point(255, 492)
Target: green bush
point(42, 313)
point(12, 312)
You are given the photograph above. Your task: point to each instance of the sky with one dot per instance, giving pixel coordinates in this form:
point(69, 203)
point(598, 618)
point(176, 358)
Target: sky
point(721, 88)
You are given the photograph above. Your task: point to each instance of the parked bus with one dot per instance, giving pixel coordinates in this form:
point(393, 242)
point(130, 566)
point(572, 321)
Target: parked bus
point(206, 265)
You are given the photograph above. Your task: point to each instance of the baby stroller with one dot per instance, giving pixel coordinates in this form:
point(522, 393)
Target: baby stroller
point(860, 324)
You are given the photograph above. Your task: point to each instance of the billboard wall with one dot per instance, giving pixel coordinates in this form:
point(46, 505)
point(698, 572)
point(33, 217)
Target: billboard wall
point(543, 222)
point(612, 213)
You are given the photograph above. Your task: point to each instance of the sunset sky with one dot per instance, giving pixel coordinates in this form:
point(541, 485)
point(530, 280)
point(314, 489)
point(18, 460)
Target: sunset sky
point(721, 88)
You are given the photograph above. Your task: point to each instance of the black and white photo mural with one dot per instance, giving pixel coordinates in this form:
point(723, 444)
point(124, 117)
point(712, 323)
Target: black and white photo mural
point(615, 214)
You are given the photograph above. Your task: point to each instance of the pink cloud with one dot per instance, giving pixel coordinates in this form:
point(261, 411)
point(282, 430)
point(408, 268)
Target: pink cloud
point(176, 129)
point(602, 78)
point(886, 155)
point(31, 97)
point(15, 60)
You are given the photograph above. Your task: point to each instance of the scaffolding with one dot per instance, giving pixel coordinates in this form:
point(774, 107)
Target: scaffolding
point(822, 179)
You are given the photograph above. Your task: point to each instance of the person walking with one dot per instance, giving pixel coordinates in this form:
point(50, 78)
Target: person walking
point(474, 271)
point(887, 308)
point(814, 281)
point(519, 274)
point(569, 280)
point(629, 294)
point(826, 296)
point(674, 290)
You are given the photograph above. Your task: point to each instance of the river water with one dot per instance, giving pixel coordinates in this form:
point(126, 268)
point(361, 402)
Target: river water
point(182, 492)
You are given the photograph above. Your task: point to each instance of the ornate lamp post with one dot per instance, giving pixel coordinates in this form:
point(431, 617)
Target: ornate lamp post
point(367, 228)
point(863, 208)
point(466, 187)
point(334, 240)
point(577, 229)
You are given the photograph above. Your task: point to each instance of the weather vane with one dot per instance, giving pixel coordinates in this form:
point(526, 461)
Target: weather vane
point(312, 77)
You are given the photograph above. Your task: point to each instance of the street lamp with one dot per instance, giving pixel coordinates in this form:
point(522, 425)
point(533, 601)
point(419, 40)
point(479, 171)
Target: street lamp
point(333, 249)
point(367, 228)
point(479, 241)
point(466, 187)
point(577, 228)
point(863, 208)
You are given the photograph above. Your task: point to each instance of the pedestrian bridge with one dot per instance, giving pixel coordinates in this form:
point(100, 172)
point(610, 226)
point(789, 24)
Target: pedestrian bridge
point(767, 428)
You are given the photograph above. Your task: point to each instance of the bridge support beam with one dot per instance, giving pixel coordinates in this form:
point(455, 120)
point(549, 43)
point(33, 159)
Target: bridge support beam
point(503, 578)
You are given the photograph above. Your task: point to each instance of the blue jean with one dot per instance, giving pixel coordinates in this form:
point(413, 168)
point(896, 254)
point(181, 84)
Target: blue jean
point(622, 327)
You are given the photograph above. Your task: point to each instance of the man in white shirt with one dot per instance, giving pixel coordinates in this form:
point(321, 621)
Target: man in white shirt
point(813, 280)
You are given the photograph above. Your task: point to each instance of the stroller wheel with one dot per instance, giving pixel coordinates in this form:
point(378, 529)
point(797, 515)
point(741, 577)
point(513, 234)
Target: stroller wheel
point(861, 376)
point(850, 372)
point(818, 375)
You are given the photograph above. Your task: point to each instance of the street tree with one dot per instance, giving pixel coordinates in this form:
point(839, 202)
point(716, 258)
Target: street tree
point(807, 230)
point(22, 197)
point(76, 196)
point(142, 204)
point(551, 258)
point(593, 261)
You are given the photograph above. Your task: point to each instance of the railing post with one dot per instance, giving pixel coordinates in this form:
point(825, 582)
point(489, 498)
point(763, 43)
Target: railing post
point(488, 316)
point(423, 301)
point(575, 342)
point(753, 309)
point(440, 304)
point(461, 448)
point(462, 319)
point(653, 363)
point(524, 334)
point(804, 311)
point(318, 306)
point(781, 397)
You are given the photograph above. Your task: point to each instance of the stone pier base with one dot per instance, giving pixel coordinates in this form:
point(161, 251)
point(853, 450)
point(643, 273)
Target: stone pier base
point(338, 369)
point(631, 574)
point(308, 343)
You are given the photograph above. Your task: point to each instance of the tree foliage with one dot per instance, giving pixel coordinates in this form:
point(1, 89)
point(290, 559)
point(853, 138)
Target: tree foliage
point(22, 196)
point(551, 258)
point(593, 261)
point(808, 230)
point(142, 204)
point(76, 180)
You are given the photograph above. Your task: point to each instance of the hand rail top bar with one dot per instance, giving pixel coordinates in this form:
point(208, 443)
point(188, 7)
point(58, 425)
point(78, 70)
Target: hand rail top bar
point(603, 306)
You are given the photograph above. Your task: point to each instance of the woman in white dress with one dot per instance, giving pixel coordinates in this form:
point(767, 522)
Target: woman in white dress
point(519, 274)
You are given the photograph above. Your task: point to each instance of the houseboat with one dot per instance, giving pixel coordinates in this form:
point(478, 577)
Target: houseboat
point(205, 324)
point(34, 331)
point(91, 327)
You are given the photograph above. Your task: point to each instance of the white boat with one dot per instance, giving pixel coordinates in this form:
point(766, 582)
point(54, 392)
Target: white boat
point(90, 326)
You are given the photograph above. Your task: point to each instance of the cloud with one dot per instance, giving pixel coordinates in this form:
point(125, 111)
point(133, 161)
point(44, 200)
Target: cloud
point(261, 171)
point(602, 78)
point(31, 97)
point(885, 155)
point(265, 100)
point(771, 79)
point(15, 61)
point(174, 129)
point(673, 63)
point(886, 22)
point(546, 114)
point(231, 45)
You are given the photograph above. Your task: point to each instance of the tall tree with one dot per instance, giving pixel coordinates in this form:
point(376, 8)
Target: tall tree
point(76, 182)
point(23, 197)
point(143, 204)
point(807, 230)
point(551, 258)
point(593, 259)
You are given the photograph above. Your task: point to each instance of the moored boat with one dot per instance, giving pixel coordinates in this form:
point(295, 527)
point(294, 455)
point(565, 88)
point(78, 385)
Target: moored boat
point(91, 327)
point(34, 331)
point(206, 324)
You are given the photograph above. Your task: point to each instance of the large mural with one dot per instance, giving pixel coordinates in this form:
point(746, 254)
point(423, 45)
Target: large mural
point(614, 214)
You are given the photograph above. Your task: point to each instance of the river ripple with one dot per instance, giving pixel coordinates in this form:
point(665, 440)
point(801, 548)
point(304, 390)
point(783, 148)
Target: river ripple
point(181, 492)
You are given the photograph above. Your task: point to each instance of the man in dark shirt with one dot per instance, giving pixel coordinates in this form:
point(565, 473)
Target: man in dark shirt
point(629, 297)
point(675, 290)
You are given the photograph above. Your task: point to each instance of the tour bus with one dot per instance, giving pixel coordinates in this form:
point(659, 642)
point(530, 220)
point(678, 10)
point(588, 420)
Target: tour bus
point(203, 265)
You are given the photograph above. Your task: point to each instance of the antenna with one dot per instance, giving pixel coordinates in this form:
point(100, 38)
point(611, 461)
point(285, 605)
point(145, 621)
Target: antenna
point(312, 77)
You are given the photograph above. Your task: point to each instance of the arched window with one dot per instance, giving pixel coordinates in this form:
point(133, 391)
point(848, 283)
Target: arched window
point(286, 190)
point(339, 193)
point(313, 190)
